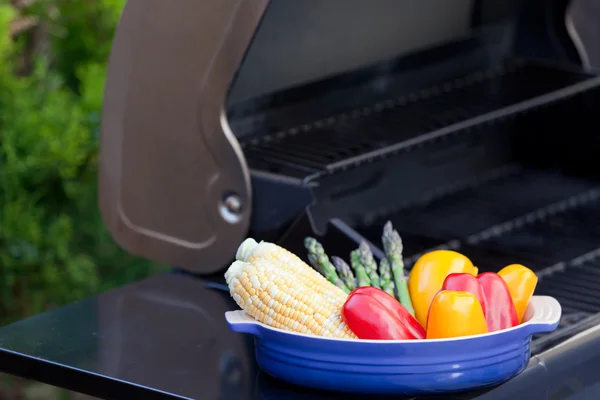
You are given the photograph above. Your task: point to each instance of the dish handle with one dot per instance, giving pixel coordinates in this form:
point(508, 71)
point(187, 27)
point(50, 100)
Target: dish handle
point(542, 315)
point(241, 322)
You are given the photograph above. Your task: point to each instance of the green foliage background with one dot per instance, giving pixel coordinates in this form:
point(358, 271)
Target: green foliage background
point(53, 246)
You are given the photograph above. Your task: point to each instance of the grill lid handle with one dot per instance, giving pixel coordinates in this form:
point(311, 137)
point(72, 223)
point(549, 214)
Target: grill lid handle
point(174, 185)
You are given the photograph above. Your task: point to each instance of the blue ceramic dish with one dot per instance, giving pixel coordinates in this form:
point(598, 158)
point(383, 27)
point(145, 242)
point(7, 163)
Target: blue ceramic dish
point(402, 367)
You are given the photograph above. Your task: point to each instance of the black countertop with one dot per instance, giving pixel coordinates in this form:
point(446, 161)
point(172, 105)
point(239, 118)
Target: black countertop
point(165, 338)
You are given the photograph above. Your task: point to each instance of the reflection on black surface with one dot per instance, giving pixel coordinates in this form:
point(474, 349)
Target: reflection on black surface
point(267, 388)
point(166, 338)
point(165, 334)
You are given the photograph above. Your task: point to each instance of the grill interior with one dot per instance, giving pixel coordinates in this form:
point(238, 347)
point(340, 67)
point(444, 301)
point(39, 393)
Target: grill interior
point(495, 158)
point(498, 223)
point(523, 213)
point(318, 146)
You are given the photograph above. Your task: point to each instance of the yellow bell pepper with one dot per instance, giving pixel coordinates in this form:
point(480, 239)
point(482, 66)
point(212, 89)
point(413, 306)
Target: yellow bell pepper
point(455, 314)
point(521, 282)
point(427, 277)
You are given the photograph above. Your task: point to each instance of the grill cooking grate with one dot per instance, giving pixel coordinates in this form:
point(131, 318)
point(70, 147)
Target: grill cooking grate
point(553, 239)
point(576, 287)
point(502, 204)
point(543, 220)
point(317, 145)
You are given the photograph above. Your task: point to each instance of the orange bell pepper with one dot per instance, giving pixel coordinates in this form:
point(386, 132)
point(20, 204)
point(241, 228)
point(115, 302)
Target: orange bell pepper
point(455, 314)
point(428, 274)
point(466, 283)
point(521, 282)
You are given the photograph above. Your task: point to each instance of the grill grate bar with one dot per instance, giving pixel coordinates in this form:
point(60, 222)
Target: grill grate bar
point(386, 123)
point(576, 287)
point(537, 215)
point(585, 285)
point(282, 158)
point(379, 107)
point(499, 204)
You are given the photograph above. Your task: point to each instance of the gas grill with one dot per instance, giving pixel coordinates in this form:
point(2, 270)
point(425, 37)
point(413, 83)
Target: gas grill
point(471, 125)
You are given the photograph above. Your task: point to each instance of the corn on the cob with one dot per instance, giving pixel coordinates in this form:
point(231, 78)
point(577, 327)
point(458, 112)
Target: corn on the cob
point(250, 251)
point(278, 289)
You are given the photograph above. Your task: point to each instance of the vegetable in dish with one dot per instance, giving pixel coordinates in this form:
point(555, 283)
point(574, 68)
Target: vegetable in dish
point(461, 282)
point(492, 294)
point(344, 271)
point(455, 314)
point(319, 260)
point(368, 262)
point(362, 278)
point(363, 269)
point(373, 314)
point(444, 296)
point(385, 277)
point(278, 289)
point(428, 274)
point(393, 247)
point(521, 282)
point(500, 310)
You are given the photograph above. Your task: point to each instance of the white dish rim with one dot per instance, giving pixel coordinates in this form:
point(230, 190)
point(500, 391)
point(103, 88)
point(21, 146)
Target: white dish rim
point(542, 315)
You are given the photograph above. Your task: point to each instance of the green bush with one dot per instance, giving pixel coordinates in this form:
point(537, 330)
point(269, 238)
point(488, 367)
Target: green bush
point(53, 246)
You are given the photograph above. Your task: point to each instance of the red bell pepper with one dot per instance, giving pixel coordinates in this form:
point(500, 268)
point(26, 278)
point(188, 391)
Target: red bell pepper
point(501, 312)
point(493, 295)
point(464, 282)
point(373, 314)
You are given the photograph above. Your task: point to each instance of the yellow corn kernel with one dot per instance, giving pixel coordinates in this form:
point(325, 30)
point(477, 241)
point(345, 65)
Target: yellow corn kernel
point(250, 251)
point(282, 299)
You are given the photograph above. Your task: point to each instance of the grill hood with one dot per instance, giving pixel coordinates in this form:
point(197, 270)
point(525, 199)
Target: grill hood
point(174, 186)
point(200, 95)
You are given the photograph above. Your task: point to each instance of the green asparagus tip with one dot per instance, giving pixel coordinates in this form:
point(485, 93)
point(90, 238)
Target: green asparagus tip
point(341, 266)
point(313, 246)
point(309, 242)
point(344, 272)
point(313, 260)
point(369, 264)
point(359, 270)
point(388, 227)
point(320, 262)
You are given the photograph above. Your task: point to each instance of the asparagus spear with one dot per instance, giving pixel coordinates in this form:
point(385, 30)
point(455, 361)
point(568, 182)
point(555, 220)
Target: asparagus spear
point(366, 259)
point(344, 272)
point(319, 261)
point(392, 245)
point(359, 270)
point(385, 276)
